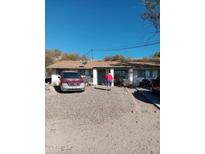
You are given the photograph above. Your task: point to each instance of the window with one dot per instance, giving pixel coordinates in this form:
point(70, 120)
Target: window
point(147, 73)
point(58, 71)
point(70, 75)
point(82, 72)
point(87, 72)
point(141, 73)
point(154, 73)
point(121, 74)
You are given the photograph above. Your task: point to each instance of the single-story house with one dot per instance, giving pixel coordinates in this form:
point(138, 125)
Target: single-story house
point(131, 73)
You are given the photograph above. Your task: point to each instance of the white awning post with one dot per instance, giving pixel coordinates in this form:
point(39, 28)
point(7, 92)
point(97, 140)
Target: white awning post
point(95, 75)
point(130, 76)
point(112, 73)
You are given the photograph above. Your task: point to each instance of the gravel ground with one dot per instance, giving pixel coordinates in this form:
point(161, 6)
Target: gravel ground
point(100, 122)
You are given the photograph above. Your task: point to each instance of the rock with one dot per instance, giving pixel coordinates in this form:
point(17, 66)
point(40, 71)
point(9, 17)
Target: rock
point(62, 148)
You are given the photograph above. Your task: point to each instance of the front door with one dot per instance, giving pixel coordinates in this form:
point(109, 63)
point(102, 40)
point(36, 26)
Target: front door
point(101, 77)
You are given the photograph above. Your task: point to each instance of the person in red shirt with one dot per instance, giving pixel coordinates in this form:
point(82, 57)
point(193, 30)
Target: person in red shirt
point(109, 80)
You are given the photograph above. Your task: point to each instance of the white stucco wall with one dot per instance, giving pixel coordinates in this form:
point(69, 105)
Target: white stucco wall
point(55, 80)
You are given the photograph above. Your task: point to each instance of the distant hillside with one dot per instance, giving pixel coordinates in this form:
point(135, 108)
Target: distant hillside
point(155, 58)
point(55, 55)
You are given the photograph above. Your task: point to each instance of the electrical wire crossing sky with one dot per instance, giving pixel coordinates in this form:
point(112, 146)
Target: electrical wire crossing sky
point(108, 27)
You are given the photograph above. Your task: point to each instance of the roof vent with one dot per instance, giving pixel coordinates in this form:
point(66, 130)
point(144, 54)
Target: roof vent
point(83, 63)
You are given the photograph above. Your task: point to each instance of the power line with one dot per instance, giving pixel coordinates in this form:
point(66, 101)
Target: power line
point(87, 53)
point(131, 47)
point(145, 44)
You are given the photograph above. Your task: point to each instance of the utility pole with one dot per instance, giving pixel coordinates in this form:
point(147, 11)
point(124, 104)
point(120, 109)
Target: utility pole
point(91, 54)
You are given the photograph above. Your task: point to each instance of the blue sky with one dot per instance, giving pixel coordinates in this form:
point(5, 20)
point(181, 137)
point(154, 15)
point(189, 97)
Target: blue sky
point(80, 25)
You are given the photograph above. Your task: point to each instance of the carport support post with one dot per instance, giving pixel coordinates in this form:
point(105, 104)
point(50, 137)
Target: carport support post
point(95, 79)
point(112, 73)
point(130, 76)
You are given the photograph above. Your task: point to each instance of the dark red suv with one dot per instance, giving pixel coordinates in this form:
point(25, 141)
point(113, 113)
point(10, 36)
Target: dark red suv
point(71, 81)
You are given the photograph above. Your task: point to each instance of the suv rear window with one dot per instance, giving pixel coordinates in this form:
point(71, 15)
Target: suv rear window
point(71, 75)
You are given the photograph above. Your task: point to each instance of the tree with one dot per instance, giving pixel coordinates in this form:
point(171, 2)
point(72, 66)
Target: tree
point(156, 55)
point(48, 61)
point(119, 58)
point(152, 13)
point(74, 56)
point(55, 55)
point(52, 56)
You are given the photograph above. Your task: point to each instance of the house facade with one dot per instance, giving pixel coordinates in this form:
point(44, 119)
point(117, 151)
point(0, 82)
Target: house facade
point(129, 73)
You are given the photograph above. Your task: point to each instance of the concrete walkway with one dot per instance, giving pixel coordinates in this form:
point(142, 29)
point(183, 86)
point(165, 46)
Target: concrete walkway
point(149, 96)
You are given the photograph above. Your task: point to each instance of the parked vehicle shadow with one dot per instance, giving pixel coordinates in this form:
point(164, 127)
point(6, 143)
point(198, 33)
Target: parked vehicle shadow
point(57, 88)
point(138, 95)
point(101, 88)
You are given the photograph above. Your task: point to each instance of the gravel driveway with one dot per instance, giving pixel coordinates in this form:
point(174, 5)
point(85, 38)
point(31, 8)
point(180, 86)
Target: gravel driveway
point(101, 122)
